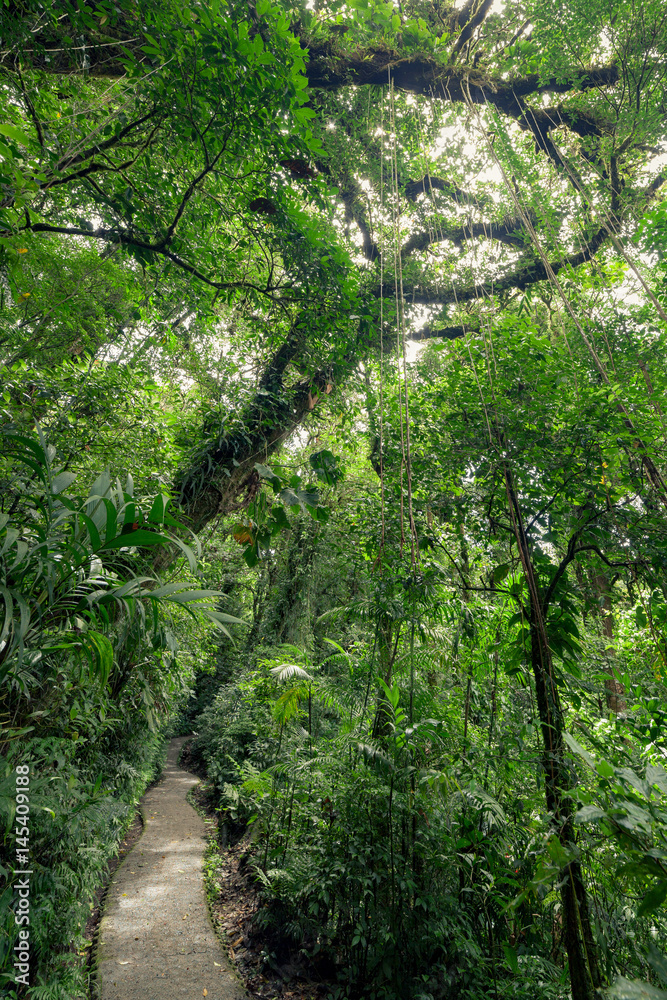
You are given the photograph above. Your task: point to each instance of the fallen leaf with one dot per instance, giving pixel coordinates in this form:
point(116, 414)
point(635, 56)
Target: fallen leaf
point(123, 963)
point(204, 993)
point(218, 964)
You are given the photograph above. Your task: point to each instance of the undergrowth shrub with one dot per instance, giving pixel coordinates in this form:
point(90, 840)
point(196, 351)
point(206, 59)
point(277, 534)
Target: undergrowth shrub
point(89, 676)
point(357, 845)
point(82, 800)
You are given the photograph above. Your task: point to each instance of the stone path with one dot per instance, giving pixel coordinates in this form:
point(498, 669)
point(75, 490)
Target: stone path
point(156, 941)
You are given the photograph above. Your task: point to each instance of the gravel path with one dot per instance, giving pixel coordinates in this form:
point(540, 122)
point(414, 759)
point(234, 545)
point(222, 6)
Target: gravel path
point(156, 941)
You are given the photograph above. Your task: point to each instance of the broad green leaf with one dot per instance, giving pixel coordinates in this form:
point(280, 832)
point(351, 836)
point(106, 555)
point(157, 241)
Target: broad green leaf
point(158, 509)
point(393, 693)
point(511, 959)
point(653, 899)
point(658, 962)
point(639, 784)
point(657, 775)
point(218, 616)
point(558, 854)
point(588, 813)
point(578, 749)
point(93, 533)
point(604, 769)
point(633, 989)
point(500, 572)
point(139, 538)
point(250, 555)
point(10, 537)
point(188, 596)
point(16, 134)
point(62, 481)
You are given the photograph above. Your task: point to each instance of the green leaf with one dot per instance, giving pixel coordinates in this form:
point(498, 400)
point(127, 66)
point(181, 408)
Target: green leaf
point(158, 509)
point(185, 549)
point(653, 899)
point(500, 572)
point(604, 769)
point(264, 471)
point(393, 694)
point(558, 854)
point(100, 652)
point(94, 534)
point(658, 962)
point(325, 466)
point(16, 134)
point(140, 538)
point(62, 481)
point(578, 749)
point(656, 775)
point(9, 609)
point(250, 555)
point(511, 959)
point(633, 989)
point(589, 813)
point(218, 616)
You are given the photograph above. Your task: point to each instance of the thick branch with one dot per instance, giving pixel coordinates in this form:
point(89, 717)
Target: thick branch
point(520, 278)
point(224, 470)
point(474, 13)
point(511, 232)
point(426, 185)
point(429, 332)
point(328, 69)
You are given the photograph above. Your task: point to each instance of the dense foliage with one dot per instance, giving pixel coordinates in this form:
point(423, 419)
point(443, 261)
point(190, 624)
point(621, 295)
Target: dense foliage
point(341, 328)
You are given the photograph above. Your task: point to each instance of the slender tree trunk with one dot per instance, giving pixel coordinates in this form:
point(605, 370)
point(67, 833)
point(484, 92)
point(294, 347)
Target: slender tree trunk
point(579, 943)
point(578, 935)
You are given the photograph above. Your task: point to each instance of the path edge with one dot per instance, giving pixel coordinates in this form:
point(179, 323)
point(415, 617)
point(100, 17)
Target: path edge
point(94, 981)
point(211, 840)
point(92, 970)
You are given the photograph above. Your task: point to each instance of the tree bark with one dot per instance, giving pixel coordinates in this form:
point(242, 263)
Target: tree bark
point(578, 935)
point(580, 946)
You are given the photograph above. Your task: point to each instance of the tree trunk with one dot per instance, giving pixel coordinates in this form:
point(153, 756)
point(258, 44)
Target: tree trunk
point(578, 935)
point(579, 943)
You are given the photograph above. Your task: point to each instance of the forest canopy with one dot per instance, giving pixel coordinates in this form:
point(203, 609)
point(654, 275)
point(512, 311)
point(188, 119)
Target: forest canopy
point(333, 347)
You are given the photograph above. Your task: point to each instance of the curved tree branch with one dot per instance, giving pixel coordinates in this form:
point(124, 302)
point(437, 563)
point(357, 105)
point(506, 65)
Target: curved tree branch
point(113, 236)
point(413, 189)
point(329, 69)
point(520, 278)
